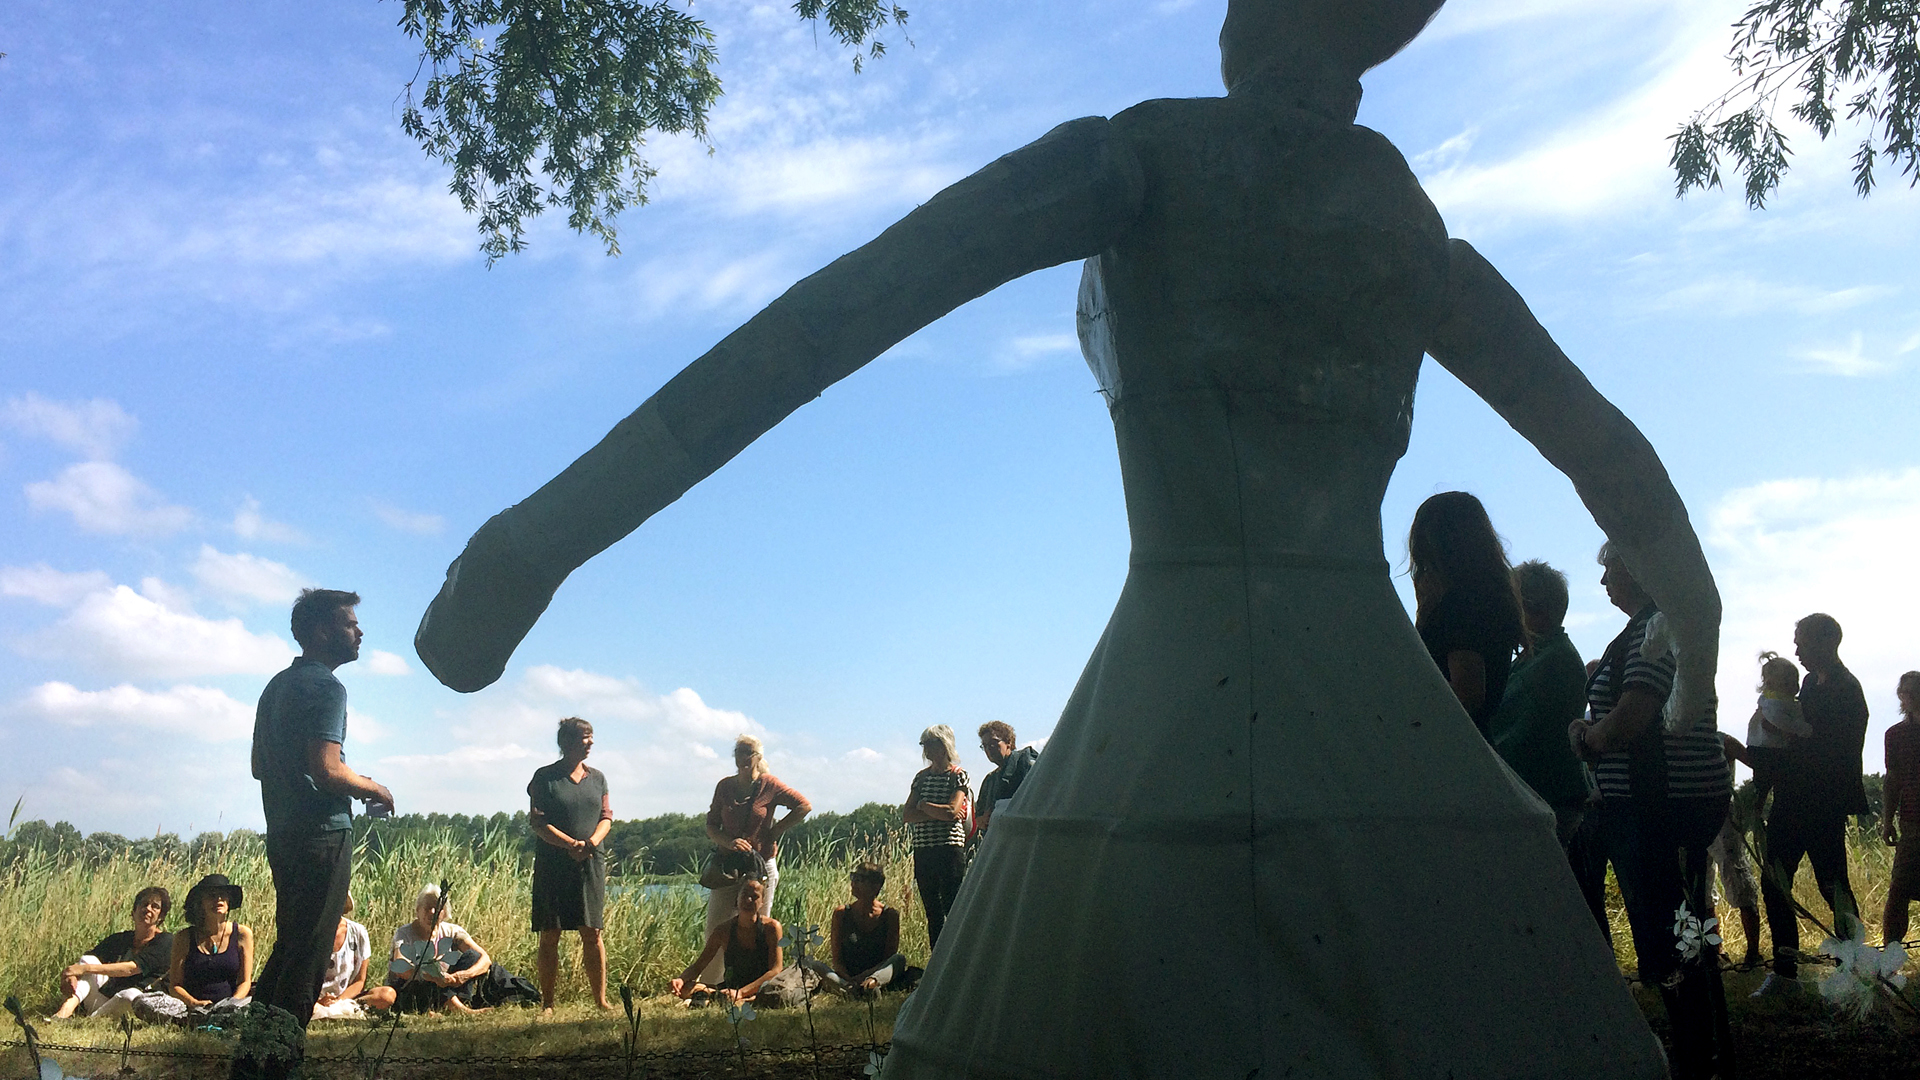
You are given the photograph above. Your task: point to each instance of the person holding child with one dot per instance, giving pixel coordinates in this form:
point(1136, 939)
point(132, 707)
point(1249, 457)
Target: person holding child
point(1900, 810)
point(1776, 722)
point(747, 945)
point(570, 816)
point(124, 965)
point(210, 972)
point(865, 939)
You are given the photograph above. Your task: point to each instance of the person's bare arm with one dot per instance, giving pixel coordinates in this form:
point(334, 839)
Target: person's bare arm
point(176, 971)
point(1467, 675)
point(359, 984)
point(330, 773)
point(836, 938)
point(1493, 344)
point(244, 988)
point(1637, 708)
point(479, 967)
point(124, 969)
point(547, 833)
point(1061, 198)
point(717, 940)
point(1890, 806)
point(794, 815)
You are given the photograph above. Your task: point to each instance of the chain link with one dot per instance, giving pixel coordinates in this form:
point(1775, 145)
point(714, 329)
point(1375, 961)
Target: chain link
point(769, 1052)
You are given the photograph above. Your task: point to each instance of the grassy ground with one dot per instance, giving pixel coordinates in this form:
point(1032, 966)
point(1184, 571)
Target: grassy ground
point(51, 911)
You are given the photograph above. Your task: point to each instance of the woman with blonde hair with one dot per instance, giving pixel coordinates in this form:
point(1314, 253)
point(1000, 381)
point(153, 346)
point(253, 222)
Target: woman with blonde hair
point(741, 822)
point(936, 816)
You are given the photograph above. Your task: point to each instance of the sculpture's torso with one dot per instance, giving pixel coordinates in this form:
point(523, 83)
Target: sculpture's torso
point(1277, 251)
point(1260, 756)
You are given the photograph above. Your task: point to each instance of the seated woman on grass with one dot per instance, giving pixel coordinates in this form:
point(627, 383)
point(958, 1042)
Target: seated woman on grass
point(124, 965)
point(210, 973)
point(865, 939)
point(343, 989)
point(434, 962)
point(751, 943)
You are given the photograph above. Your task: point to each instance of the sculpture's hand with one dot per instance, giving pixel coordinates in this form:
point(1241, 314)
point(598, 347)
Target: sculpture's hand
point(1493, 344)
point(1061, 198)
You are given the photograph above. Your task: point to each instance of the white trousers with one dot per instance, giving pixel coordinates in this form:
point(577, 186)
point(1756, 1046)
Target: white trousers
point(96, 1002)
point(720, 907)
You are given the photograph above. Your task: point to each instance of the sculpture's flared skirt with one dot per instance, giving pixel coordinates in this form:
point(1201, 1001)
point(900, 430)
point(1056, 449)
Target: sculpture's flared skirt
point(1264, 840)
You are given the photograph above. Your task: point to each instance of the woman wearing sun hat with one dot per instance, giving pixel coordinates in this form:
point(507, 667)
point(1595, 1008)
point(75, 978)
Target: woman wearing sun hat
point(211, 972)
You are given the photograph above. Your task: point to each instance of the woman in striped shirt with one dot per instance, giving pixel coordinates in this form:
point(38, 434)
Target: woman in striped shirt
point(936, 816)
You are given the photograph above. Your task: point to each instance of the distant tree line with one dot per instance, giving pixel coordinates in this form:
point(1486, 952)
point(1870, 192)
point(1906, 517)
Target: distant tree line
point(660, 846)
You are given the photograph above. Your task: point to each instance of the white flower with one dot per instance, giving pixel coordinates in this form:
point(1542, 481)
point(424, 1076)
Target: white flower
point(1863, 973)
point(1690, 933)
point(874, 1061)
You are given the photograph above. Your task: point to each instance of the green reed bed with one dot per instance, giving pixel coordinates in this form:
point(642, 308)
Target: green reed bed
point(53, 908)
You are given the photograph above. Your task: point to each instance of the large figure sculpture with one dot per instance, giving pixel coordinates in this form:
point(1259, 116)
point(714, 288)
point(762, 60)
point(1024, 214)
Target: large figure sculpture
point(1264, 839)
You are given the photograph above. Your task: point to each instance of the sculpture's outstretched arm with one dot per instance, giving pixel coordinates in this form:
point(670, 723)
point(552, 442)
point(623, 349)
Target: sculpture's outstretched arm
point(1063, 197)
point(1491, 342)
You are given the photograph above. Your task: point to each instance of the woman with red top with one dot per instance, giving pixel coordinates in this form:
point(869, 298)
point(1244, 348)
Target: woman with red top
point(742, 819)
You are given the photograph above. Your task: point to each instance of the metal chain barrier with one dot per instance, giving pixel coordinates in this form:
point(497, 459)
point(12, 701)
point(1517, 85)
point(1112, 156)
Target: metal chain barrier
point(784, 1053)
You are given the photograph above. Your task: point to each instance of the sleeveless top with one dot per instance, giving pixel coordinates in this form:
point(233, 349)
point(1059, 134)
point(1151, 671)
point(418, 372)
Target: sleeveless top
point(211, 976)
point(860, 949)
point(746, 963)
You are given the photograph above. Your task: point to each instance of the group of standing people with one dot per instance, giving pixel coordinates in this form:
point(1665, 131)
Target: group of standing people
point(1648, 793)
point(752, 809)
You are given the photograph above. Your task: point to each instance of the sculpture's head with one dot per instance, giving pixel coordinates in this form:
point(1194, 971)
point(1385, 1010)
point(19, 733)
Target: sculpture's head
point(1316, 40)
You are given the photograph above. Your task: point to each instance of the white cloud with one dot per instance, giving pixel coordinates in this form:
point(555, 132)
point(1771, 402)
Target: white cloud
point(105, 498)
point(1850, 361)
point(1731, 296)
point(250, 524)
point(129, 635)
point(246, 578)
point(1604, 161)
point(57, 588)
point(382, 662)
point(197, 712)
point(1787, 548)
point(407, 521)
point(95, 428)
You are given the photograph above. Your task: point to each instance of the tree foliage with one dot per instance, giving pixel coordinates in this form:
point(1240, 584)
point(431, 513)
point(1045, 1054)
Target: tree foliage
point(1857, 58)
point(539, 103)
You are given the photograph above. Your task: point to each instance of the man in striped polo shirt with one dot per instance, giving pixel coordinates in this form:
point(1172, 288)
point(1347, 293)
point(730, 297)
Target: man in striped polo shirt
point(1664, 796)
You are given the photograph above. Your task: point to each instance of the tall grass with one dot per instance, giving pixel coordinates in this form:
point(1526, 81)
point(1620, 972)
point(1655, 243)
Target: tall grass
point(54, 908)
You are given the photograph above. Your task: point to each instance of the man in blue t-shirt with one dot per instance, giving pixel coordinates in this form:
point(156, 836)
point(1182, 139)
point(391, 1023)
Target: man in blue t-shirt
point(307, 791)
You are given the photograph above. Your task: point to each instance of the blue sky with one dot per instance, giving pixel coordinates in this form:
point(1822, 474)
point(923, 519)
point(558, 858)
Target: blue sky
point(249, 344)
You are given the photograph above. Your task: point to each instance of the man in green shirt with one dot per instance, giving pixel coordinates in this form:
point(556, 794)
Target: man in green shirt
point(1546, 691)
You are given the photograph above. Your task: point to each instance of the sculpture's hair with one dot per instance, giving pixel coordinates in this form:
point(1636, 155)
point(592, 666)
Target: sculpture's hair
point(943, 735)
point(1821, 627)
point(1346, 36)
point(996, 729)
point(315, 609)
point(869, 870)
point(1453, 537)
point(166, 900)
point(1777, 673)
point(753, 747)
point(1542, 589)
point(571, 731)
point(1910, 685)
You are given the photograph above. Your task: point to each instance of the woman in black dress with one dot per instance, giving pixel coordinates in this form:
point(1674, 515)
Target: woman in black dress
point(570, 817)
point(1468, 614)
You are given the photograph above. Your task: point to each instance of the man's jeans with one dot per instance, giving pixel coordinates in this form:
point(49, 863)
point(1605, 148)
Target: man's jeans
point(311, 873)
